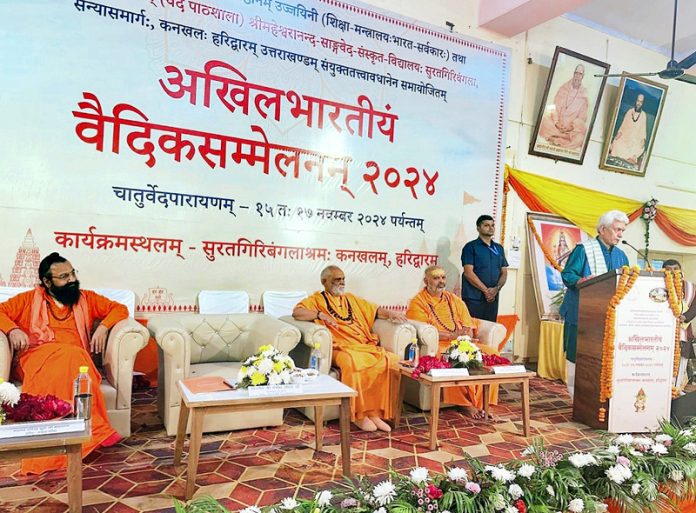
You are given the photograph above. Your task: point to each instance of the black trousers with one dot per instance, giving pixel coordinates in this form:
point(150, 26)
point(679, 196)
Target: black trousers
point(483, 309)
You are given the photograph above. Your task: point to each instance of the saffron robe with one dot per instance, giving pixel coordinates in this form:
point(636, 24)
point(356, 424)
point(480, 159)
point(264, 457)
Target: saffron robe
point(448, 313)
point(366, 367)
point(571, 111)
point(629, 141)
point(51, 367)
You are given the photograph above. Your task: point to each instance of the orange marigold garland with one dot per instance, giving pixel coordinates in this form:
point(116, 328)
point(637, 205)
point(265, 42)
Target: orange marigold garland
point(626, 280)
point(554, 263)
point(673, 282)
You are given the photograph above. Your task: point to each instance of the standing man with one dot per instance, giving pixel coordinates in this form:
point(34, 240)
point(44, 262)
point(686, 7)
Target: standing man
point(485, 271)
point(590, 258)
point(688, 308)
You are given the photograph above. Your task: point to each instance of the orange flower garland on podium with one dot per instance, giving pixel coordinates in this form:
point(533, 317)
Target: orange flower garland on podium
point(606, 351)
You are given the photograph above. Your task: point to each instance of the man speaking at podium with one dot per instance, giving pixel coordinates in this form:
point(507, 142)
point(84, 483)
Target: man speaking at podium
point(590, 258)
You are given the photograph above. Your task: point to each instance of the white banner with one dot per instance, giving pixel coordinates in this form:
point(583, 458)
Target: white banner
point(643, 359)
point(171, 146)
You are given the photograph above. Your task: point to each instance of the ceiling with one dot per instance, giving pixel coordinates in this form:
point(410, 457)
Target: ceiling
point(647, 23)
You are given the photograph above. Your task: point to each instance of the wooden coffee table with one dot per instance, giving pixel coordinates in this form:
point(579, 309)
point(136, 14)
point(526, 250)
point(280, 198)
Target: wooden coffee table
point(324, 391)
point(69, 444)
point(437, 384)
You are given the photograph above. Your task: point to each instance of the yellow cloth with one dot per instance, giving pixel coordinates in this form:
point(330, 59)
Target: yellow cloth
point(579, 205)
point(449, 313)
point(365, 367)
point(552, 363)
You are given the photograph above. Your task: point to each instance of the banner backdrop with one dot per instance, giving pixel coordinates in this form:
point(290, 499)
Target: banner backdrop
point(171, 146)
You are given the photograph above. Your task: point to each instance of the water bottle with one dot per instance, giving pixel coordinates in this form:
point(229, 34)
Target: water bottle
point(82, 393)
point(315, 357)
point(412, 352)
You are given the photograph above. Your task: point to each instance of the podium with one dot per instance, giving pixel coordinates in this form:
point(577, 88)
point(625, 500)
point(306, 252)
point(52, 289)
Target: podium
point(643, 356)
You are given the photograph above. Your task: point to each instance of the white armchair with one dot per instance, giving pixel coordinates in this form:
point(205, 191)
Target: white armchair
point(393, 337)
point(489, 333)
point(126, 338)
point(194, 345)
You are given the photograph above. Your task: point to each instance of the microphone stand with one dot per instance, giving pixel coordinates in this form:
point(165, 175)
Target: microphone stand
point(648, 267)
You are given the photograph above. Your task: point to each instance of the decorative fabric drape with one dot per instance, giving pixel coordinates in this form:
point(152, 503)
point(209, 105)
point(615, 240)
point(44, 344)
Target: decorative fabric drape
point(583, 206)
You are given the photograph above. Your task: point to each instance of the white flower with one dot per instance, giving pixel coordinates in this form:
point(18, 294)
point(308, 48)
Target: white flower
point(324, 498)
point(613, 449)
point(515, 491)
point(663, 438)
point(550, 491)
point(658, 449)
point(419, 475)
point(479, 357)
point(676, 475)
point(635, 488)
point(633, 452)
point(251, 509)
point(288, 503)
point(500, 473)
point(528, 451)
point(618, 473)
point(384, 493)
point(266, 366)
point(498, 502)
point(511, 509)
point(641, 441)
point(690, 447)
point(686, 432)
point(576, 506)
point(526, 470)
point(285, 377)
point(454, 354)
point(581, 459)
point(457, 474)
point(380, 510)
point(600, 507)
point(464, 357)
point(624, 440)
point(274, 379)
point(8, 393)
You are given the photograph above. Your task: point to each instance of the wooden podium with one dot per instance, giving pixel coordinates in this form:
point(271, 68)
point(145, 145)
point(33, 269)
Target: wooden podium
point(642, 377)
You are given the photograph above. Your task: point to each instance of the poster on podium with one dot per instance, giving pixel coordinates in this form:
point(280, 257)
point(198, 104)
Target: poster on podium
point(643, 358)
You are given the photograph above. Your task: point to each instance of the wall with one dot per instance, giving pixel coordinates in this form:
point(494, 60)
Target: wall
point(671, 173)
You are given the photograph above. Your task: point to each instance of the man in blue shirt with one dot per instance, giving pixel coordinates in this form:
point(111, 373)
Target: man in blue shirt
point(591, 258)
point(485, 271)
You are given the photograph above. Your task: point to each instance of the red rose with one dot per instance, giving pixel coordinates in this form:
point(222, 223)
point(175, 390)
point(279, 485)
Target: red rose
point(433, 492)
point(520, 505)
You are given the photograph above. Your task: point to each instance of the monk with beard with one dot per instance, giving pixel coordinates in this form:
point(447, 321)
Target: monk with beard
point(448, 313)
point(629, 141)
point(50, 332)
point(365, 366)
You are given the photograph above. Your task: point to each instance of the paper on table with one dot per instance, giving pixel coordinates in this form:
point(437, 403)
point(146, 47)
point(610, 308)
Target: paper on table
point(205, 384)
point(449, 373)
point(509, 369)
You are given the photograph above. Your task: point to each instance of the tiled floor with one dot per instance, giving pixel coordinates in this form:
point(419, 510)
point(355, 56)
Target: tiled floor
point(263, 466)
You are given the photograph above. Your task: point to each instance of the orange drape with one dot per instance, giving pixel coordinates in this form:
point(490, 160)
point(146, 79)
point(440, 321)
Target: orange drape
point(509, 321)
point(146, 359)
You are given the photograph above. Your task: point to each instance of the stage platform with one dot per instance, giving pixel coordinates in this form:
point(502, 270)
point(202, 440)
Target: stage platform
point(263, 466)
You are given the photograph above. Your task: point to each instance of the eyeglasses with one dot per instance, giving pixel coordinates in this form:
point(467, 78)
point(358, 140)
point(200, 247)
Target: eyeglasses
point(65, 276)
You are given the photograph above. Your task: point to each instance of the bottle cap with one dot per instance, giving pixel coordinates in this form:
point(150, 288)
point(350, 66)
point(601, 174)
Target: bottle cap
point(84, 369)
point(317, 345)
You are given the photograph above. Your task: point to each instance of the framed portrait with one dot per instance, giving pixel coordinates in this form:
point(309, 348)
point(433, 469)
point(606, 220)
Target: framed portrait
point(550, 239)
point(633, 125)
point(569, 106)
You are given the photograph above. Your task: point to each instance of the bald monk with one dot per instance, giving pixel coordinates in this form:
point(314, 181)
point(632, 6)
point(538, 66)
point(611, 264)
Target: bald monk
point(50, 331)
point(450, 316)
point(365, 366)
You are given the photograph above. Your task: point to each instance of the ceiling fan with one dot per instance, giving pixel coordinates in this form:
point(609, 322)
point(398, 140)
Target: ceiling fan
point(674, 69)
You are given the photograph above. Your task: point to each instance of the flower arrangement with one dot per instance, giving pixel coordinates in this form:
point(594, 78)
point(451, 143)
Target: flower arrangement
point(491, 360)
point(9, 396)
point(31, 408)
point(647, 473)
point(648, 216)
point(463, 353)
point(425, 363)
point(267, 367)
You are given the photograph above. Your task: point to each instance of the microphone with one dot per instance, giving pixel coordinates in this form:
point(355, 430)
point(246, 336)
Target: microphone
point(648, 267)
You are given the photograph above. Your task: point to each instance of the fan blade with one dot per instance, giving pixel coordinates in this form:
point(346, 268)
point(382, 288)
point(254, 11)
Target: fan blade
point(687, 62)
point(628, 75)
point(689, 79)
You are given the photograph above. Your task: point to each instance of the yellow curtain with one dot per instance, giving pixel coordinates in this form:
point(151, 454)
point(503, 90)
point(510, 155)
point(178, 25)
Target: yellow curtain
point(579, 205)
point(681, 217)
